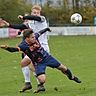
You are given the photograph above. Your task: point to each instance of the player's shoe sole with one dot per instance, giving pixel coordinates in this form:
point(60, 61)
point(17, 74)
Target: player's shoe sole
point(26, 87)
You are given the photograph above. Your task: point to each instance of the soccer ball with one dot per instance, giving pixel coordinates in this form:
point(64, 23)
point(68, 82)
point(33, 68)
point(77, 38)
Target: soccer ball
point(76, 18)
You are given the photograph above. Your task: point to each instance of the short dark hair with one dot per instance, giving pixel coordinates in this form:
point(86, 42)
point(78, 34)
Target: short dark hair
point(27, 32)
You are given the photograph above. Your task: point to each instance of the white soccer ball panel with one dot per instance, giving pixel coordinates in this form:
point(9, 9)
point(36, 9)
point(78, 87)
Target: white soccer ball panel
point(76, 18)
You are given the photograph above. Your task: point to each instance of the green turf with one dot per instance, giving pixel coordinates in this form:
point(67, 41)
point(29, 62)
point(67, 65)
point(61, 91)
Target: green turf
point(76, 52)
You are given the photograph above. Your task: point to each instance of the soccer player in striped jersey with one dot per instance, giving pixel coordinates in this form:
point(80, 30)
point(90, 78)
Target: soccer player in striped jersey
point(40, 58)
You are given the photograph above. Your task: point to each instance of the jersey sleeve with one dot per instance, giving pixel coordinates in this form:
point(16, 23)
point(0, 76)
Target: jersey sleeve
point(36, 35)
point(18, 26)
point(36, 18)
point(43, 19)
point(31, 17)
point(22, 47)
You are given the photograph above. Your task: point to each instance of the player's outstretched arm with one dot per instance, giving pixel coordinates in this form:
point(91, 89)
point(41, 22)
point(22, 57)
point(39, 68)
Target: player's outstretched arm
point(18, 26)
point(4, 23)
point(10, 49)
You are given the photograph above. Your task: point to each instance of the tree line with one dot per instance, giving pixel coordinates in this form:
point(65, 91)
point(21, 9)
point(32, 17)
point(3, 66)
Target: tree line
point(10, 9)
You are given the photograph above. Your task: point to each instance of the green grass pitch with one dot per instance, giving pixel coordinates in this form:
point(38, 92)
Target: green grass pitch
point(76, 52)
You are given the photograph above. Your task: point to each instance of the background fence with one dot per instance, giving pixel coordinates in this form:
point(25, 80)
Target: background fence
point(78, 30)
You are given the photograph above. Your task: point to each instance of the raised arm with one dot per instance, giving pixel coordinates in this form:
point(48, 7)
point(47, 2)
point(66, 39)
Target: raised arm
point(31, 17)
point(38, 34)
point(44, 30)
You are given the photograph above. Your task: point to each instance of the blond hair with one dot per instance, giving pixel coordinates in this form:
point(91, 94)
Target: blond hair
point(37, 7)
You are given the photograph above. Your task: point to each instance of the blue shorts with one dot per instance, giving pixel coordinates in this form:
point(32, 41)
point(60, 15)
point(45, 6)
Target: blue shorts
point(41, 67)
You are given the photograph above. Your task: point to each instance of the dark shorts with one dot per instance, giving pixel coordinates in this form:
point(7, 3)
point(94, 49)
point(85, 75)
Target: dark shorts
point(41, 67)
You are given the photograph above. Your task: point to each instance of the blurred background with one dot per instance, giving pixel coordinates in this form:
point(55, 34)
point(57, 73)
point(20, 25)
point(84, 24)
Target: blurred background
point(58, 12)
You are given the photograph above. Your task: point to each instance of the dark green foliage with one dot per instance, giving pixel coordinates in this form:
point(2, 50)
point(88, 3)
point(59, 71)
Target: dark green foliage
point(10, 9)
point(60, 16)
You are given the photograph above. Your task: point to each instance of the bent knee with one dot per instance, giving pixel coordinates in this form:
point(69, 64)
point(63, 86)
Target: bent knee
point(31, 67)
point(42, 78)
point(25, 62)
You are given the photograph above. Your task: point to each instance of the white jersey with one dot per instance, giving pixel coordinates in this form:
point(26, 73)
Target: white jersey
point(37, 26)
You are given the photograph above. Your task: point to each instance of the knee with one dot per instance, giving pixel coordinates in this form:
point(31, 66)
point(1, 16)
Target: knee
point(25, 62)
point(31, 67)
point(62, 67)
point(42, 78)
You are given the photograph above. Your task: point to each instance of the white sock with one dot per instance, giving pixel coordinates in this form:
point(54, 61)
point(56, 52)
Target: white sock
point(36, 77)
point(26, 73)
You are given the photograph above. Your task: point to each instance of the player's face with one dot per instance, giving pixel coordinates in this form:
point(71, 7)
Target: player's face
point(32, 38)
point(35, 12)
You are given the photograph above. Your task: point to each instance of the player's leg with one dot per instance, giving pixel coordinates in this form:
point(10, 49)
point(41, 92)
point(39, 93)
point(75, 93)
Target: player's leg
point(26, 72)
point(40, 87)
point(68, 73)
point(52, 62)
point(40, 71)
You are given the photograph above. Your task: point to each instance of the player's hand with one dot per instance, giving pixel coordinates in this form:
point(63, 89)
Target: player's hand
point(3, 23)
point(20, 17)
point(3, 46)
point(6, 23)
point(48, 29)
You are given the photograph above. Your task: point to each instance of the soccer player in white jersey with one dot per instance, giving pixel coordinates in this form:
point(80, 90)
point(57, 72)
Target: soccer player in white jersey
point(36, 25)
